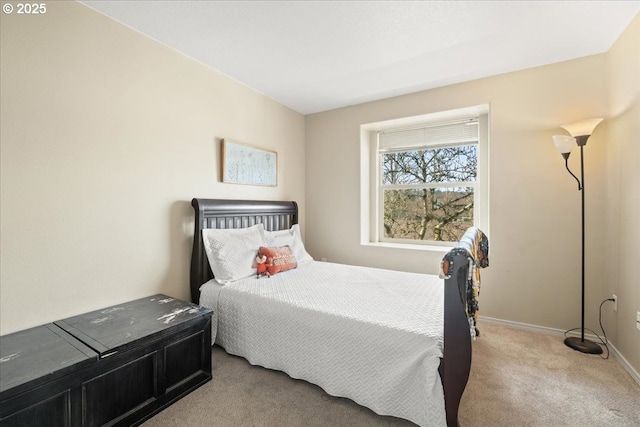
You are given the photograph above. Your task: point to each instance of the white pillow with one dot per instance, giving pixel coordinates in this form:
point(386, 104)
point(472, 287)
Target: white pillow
point(232, 252)
point(291, 238)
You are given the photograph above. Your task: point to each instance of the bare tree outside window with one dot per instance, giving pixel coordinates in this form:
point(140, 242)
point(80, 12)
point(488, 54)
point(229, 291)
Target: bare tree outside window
point(428, 194)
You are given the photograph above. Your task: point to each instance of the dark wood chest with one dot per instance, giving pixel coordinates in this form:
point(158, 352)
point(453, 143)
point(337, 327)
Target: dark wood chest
point(114, 366)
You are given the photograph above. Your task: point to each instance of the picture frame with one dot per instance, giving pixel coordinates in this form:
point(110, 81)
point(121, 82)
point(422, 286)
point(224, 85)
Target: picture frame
point(248, 164)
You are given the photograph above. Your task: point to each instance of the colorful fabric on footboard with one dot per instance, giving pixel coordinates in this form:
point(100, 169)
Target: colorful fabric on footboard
point(475, 245)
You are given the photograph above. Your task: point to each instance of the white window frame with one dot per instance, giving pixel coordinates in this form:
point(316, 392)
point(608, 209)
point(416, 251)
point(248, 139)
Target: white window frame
point(372, 209)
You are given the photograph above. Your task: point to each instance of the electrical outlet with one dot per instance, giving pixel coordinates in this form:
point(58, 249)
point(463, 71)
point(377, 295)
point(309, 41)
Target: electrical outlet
point(615, 303)
point(638, 321)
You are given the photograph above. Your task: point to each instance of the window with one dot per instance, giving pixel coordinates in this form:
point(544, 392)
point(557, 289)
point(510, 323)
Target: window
point(427, 178)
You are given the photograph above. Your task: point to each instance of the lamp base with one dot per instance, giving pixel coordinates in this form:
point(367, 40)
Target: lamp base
point(584, 346)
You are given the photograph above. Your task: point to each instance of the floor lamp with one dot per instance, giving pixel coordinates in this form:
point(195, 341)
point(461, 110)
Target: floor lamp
point(580, 132)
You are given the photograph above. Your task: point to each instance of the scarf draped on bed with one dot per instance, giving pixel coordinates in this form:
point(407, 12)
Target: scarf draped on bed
point(475, 245)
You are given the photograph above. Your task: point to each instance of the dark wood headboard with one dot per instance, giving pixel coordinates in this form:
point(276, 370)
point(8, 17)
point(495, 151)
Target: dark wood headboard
point(219, 213)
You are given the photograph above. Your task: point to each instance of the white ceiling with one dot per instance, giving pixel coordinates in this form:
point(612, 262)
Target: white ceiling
point(319, 55)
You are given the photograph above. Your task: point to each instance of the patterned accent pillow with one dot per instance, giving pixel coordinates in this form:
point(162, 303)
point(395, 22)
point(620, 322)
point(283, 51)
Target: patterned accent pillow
point(290, 237)
point(232, 252)
point(278, 259)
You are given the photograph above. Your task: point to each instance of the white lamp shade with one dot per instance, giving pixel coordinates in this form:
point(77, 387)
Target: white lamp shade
point(583, 127)
point(564, 143)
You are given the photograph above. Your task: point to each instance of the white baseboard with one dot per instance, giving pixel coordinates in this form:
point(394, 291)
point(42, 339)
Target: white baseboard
point(625, 364)
point(552, 331)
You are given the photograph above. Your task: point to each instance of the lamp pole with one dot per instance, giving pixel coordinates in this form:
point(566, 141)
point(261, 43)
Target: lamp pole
point(580, 132)
point(583, 273)
point(580, 344)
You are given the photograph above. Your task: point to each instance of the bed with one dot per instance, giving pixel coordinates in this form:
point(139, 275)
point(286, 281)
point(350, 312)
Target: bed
point(408, 356)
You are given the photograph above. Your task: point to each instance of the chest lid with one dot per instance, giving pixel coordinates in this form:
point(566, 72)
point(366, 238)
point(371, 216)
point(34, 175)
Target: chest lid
point(39, 354)
point(124, 326)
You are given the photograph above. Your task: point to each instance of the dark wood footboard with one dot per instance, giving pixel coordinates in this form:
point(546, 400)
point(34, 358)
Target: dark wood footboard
point(456, 363)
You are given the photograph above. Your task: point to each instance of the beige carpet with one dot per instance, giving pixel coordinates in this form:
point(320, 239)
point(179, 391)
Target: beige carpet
point(518, 378)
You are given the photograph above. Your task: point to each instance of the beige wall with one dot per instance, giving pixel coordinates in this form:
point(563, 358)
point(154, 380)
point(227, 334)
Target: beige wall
point(534, 228)
point(106, 137)
point(623, 188)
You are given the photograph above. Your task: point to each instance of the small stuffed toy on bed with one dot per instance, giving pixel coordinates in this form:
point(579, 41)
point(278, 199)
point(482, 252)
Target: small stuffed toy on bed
point(262, 265)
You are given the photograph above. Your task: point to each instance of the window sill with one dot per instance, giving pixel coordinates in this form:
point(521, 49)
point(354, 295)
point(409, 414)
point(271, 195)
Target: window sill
point(408, 246)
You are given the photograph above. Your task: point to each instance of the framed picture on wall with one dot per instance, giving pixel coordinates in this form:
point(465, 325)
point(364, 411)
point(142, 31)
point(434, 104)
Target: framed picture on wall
point(248, 164)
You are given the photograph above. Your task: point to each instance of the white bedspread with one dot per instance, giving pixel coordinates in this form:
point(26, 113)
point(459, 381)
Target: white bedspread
point(374, 336)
